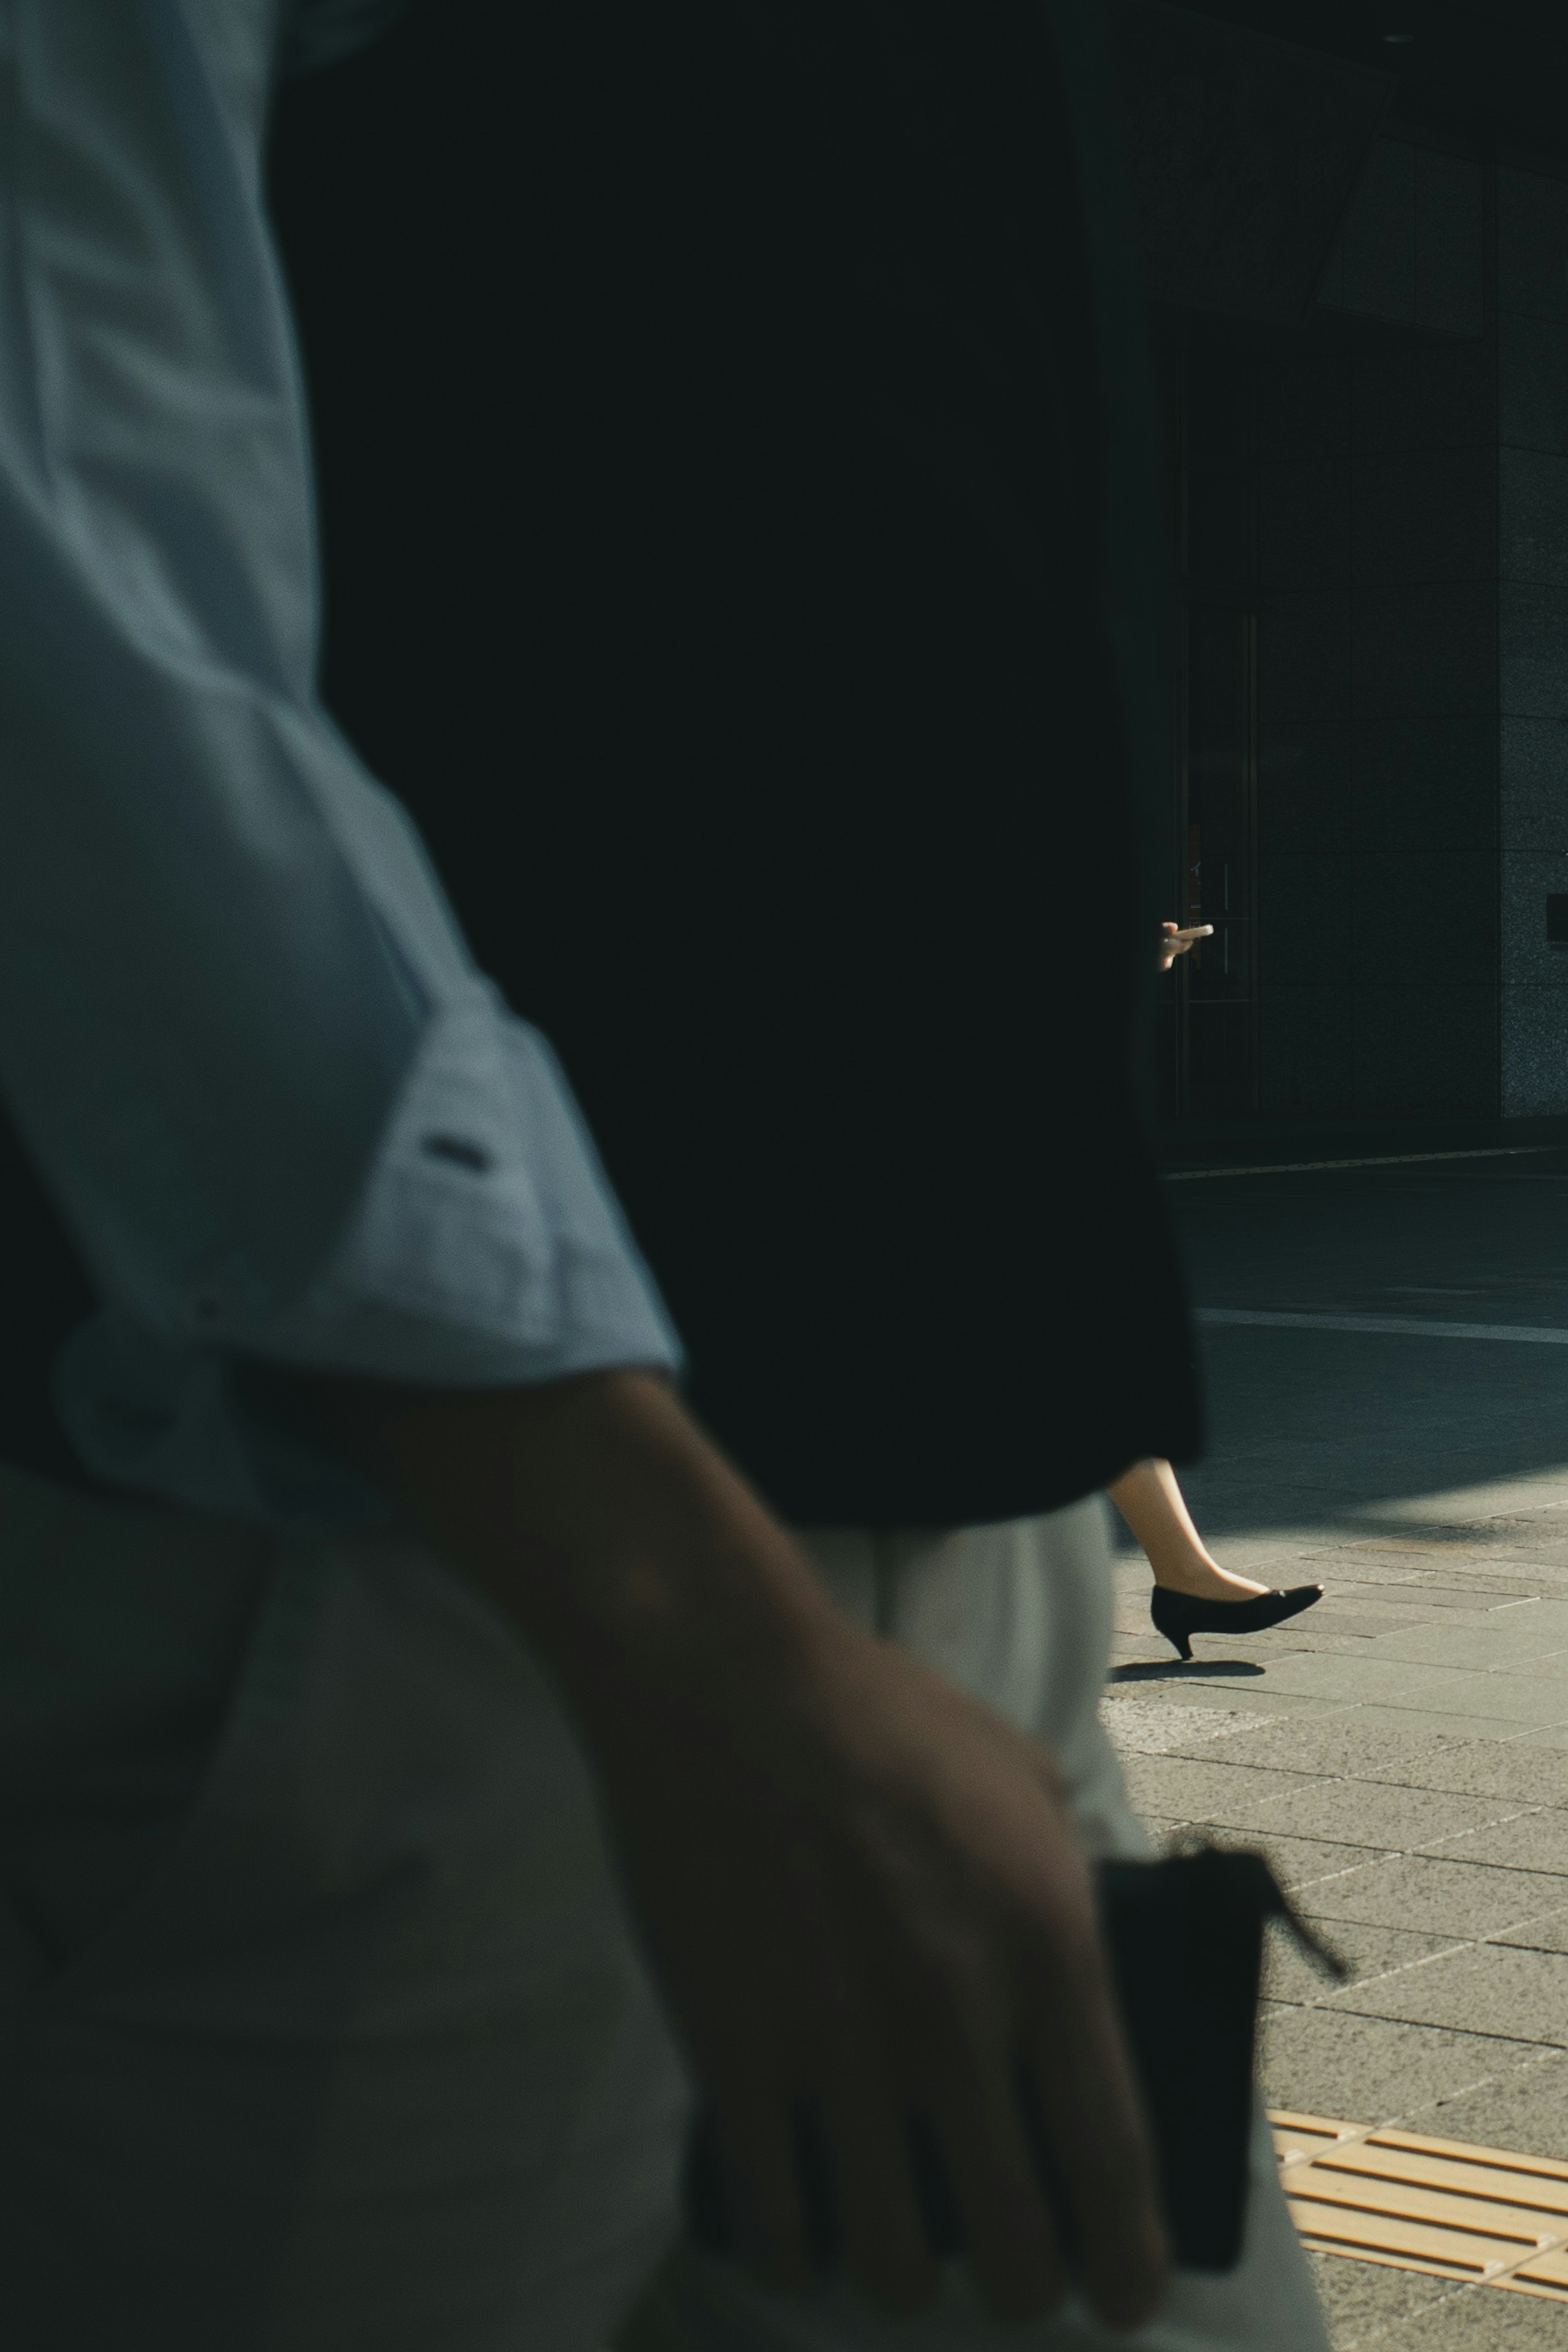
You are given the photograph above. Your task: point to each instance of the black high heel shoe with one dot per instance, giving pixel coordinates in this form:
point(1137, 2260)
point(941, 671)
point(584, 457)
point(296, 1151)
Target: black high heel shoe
point(1178, 1616)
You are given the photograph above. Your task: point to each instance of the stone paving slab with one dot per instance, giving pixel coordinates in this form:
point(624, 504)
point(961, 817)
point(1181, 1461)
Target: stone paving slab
point(1300, 1864)
point(1454, 1689)
point(1526, 2101)
point(1423, 1891)
point(1515, 1995)
point(1393, 2070)
point(1379, 1813)
point(1291, 1977)
point(1469, 2319)
point(1401, 1749)
point(1230, 1794)
point(1547, 1934)
point(1518, 1645)
point(1479, 1767)
point(1553, 1666)
point(1533, 1841)
point(1235, 1695)
point(1418, 1721)
point(1401, 1752)
point(1347, 1741)
point(1362, 2301)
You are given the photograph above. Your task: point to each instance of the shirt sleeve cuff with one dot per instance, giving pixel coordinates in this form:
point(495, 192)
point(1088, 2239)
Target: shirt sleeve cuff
point(487, 1247)
point(487, 1250)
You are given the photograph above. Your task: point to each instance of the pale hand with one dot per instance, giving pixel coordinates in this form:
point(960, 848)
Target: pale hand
point(1173, 942)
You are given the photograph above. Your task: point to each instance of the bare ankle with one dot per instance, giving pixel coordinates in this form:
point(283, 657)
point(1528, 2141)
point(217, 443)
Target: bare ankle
point(1203, 1578)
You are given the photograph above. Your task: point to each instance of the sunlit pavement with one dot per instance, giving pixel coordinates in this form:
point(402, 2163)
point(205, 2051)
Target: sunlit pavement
point(1401, 1749)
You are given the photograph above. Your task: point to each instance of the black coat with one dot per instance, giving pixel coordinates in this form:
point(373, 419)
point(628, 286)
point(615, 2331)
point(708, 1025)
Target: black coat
point(742, 555)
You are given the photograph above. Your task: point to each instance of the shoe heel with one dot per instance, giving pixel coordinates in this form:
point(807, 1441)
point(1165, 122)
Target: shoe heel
point(1168, 1609)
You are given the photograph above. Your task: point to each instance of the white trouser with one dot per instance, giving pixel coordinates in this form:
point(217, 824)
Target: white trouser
point(365, 2061)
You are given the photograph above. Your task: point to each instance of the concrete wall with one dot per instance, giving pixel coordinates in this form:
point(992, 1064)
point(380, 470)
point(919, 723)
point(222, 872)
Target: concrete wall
point(1378, 669)
point(1411, 248)
point(1533, 541)
point(1412, 590)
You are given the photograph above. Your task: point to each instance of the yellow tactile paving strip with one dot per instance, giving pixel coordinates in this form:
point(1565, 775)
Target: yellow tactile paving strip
point(1437, 2205)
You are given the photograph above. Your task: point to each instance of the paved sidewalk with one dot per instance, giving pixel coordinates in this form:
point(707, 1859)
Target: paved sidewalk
point(1401, 1750)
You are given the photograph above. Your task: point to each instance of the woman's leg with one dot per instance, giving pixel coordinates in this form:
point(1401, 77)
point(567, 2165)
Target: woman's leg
point(1149, 1500)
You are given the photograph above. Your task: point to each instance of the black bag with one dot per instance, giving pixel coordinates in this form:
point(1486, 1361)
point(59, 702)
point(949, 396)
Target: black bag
point(1186, 1938)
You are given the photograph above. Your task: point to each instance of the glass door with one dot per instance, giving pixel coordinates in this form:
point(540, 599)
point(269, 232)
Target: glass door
point(1217, 723)
point(1209, 382)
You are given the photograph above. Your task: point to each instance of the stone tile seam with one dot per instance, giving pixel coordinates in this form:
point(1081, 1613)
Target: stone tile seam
point(1301, 1886)
point(1482, 1829)
point(1384, 2333)
point(1454, 1836)
point(1337, 1998)
point(1385, 1853)
point(1370, 1656)
point(1363, 1648)
point(1354, 1706)
point(1523, 1807)
point(1410, 1787)
point(1419, 2025)
point(1418, 1705)
point(1525, 1733)
point(1523, 1673)
point(1309, 1780)
point(1423, 1853)
point(1464, 1943)
point(1361, 1984)
point(1337, 1780)
point(1410, 2120)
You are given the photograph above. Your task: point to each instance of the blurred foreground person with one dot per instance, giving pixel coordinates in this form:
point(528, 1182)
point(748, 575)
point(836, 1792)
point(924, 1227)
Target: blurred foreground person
point(422, 1746)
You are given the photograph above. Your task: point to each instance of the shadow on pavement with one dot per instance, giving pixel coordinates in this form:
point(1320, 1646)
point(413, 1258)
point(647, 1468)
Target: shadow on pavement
point(1362, 1432)
point(1161, 1670)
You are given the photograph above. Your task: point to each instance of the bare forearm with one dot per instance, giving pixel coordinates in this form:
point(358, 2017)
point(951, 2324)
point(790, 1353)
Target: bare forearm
point(854, 1883)
point(596, 1515)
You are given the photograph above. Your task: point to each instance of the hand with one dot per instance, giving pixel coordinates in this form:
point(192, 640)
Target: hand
point(1173, 943)
point(869, 1899)
point(858, 1886)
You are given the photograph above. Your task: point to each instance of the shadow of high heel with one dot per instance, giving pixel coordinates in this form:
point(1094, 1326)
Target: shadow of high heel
point(1166, 1670)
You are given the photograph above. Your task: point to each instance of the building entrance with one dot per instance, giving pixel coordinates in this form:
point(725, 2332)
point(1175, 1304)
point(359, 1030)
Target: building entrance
point(1211, 1032)
point(1217, 830)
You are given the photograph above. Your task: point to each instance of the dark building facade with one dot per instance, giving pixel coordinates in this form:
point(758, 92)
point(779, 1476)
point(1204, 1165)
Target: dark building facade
point(1369, 502)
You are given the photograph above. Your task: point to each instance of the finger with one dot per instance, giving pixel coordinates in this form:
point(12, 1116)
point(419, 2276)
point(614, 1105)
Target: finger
point(762, 2193)
point(883, 2229)
point(1010, 2239)
point(1100, 2149)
